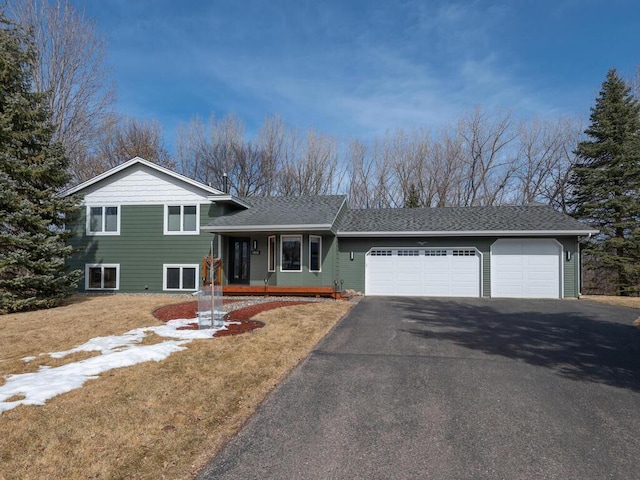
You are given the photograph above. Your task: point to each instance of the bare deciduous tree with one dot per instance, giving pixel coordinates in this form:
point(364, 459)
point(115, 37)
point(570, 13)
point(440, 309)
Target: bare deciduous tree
point(71, 67)
point(271, 141)
point(360, 171)
point(247, 169)
point(544, 158)
point(208, 151)
point(125, 138)
point(309, 167)
point(485, 159)
point(447, 170)
point(488, 165)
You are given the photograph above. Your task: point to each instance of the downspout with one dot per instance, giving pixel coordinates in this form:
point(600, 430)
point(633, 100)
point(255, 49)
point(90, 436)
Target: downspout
point(580, 279)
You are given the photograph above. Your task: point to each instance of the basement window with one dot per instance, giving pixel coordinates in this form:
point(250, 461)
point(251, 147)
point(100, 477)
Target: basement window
point(180, 277)
point(102, 277)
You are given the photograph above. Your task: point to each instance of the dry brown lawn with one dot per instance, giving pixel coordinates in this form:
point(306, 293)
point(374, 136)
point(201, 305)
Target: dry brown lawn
point(632, 302)
point(152, 420)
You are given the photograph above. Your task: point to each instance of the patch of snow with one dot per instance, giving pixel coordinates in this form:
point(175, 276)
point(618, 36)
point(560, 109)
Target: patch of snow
point(117, 351)
point(28, 359)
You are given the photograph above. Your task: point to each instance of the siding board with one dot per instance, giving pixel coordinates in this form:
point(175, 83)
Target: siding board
point(141, 249)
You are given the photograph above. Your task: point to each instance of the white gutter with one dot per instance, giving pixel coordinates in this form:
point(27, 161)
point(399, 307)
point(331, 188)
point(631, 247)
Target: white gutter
point(267, 228)
point(472, 233)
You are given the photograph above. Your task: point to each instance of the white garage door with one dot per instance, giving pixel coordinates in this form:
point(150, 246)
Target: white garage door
point(526, 268)
point(423, 272)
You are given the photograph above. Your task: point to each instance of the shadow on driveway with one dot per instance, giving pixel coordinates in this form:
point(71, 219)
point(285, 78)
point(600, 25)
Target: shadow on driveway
point(578, 340)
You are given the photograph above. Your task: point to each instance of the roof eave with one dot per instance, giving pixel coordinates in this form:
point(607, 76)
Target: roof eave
point(266, 228)
point(474, 233)
point(227, 198)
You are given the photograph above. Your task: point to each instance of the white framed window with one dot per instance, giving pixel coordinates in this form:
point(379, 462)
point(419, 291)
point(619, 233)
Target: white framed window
point(102, 276)
point(271, 254)
point(180, 277)
point(181, 219)
point(103, 220)
point(315, 253)
point(291, 253)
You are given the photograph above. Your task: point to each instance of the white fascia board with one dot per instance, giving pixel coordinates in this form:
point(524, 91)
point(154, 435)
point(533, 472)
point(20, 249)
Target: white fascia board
point(267, 228)
point(479, 233)
point(134, 161)
point(226, 198)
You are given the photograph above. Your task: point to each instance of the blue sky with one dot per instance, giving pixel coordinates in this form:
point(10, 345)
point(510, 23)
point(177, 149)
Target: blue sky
point(360, 68)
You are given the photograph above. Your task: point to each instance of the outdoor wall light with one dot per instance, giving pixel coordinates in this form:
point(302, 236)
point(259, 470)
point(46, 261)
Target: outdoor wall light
point(255, 244)
point(351, 255)
point(568, 255)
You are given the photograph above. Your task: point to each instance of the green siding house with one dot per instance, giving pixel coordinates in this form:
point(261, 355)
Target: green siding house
point(144, 228)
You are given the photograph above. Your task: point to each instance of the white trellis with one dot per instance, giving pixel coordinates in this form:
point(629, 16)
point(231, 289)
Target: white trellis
point(210, 312)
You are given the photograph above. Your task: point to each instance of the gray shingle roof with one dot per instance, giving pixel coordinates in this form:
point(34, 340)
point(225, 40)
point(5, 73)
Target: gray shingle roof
point(536, 218)
point(320, 213)
point(282, 213)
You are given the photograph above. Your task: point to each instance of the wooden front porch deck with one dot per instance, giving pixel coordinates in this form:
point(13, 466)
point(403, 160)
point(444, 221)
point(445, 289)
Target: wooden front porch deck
point(325, 291)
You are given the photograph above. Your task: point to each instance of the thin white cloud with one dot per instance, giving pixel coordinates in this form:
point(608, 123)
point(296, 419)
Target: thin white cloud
point(343, 67)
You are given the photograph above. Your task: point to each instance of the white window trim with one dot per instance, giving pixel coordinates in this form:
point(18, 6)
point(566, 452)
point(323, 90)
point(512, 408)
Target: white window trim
point(282, 240)
point(319, 238)
point(87, 266)
point(104, 219)
point(181, 205)
point(271, 238)
point(180, 266)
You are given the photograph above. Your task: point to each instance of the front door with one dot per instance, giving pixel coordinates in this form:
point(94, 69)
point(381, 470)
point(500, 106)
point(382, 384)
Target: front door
point(239, 256)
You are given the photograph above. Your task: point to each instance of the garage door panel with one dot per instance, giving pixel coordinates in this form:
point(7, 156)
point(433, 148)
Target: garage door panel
point(513, 278)
point(435, 278)
point(462, 291)
point(423, 272)
point(541, 277)
point(534, 272)
point(515, 291)
point(434, 291)
point(542, 260)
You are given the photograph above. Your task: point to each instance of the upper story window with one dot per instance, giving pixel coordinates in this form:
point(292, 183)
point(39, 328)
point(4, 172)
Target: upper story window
point(103, 220)
point(181, 219)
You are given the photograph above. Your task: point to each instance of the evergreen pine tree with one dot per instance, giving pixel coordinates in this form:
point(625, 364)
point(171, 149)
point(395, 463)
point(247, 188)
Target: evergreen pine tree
point(33, 170)
point(412, 199)
point(606, 182)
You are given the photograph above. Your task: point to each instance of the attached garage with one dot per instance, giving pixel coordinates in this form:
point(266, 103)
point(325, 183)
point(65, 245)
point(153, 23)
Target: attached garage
point(526, 268)
point(423, 272)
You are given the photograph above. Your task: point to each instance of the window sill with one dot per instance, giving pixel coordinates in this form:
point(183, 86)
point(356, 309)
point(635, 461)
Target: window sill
point(181, 233)
point(102, 234)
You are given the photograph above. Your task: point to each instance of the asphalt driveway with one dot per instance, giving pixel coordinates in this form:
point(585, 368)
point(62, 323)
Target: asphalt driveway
point(407, 388)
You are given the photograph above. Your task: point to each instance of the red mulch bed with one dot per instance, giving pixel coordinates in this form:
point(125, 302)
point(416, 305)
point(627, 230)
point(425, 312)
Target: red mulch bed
point(241, 317)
